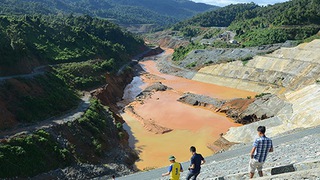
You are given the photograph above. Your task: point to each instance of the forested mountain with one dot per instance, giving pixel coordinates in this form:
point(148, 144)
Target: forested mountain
point(45, 60)
point(294, 12)
point(221, 17)
point(162, 12)
point(29, 41)
point(292, 20)
point(255, 25)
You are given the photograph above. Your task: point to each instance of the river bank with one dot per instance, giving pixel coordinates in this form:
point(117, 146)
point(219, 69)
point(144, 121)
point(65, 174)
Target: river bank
point(188, 125)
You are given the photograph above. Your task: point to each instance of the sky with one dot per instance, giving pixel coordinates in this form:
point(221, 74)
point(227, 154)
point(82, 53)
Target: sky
point(227, 2)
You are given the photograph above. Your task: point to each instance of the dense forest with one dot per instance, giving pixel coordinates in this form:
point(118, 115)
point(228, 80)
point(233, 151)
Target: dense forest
point(54, 39)
point(253, 25)
point(257, 25)
point(292, 20)
point(221, 17)
point(74, 53)
point(122, 11)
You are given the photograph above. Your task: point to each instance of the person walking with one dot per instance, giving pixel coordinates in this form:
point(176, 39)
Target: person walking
point(261, 147)
point(174, 169)
point(195, 165)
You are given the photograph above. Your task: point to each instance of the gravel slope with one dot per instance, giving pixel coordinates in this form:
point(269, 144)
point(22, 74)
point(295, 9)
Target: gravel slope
point(293, 147)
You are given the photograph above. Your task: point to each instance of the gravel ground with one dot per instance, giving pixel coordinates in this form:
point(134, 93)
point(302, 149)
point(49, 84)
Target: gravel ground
point(300, 150)
point(312, 174)
point(165, 65)
point(204, 57)
point(298, 146)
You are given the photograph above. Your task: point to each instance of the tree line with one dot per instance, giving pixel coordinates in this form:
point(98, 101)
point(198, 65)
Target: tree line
point(162, 13)
point(258, 25)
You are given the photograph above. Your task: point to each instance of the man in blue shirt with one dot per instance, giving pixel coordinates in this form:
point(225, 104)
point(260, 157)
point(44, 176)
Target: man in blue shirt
point(259, 152)
point(196, 161)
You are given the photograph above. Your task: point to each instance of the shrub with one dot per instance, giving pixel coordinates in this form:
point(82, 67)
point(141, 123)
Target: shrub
point(121, 135)
point(191, 65)
point(119, 126)
point(262, 94)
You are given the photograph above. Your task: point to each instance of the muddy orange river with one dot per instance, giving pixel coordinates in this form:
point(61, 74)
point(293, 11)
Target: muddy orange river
point(192, 126)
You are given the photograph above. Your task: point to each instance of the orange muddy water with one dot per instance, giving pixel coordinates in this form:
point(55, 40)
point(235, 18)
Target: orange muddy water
point(192, 126)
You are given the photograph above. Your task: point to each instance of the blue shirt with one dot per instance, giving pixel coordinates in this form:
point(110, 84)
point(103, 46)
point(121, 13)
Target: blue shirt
point(263, 145)
point(196, 160)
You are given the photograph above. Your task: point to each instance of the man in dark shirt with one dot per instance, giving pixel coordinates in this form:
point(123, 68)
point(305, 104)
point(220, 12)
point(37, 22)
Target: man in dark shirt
point(196, 161)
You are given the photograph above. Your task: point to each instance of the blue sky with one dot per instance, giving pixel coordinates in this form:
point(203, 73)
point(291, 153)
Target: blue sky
point(227, 2)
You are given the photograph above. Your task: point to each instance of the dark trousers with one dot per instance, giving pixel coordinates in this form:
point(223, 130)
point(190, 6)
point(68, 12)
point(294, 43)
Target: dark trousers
point(192, 175)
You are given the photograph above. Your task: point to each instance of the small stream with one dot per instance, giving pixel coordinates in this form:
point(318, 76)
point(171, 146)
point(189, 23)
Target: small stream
point(131, 91)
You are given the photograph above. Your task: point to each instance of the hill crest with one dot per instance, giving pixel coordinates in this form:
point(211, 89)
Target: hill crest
point(161, 13)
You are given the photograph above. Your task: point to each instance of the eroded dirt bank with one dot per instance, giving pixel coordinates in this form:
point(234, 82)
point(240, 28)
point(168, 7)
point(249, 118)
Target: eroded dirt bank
point(188, 125)
point(113, 91)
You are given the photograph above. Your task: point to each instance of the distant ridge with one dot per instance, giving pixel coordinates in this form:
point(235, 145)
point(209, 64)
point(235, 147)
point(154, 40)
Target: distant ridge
point(161, 13)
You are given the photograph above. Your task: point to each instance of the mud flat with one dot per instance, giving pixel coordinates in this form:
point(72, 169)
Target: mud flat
point(181, 125)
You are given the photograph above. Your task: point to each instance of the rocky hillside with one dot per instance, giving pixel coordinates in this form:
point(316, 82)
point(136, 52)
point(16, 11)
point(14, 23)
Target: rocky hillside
point(290, 73)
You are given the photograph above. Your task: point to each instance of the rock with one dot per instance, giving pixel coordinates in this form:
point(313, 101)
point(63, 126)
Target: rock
point(201, 100)
point(154, 51)
point(282, 169)
point(158, 86)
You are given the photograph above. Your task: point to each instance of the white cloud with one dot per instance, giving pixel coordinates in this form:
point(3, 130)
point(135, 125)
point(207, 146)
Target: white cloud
point(227, 2)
